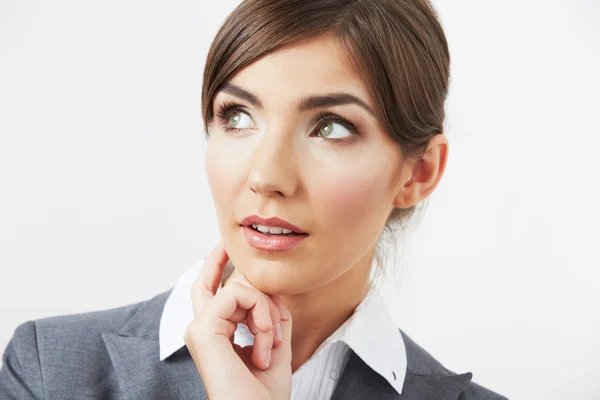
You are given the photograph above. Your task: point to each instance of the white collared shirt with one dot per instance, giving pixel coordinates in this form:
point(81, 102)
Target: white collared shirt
point(369, 332)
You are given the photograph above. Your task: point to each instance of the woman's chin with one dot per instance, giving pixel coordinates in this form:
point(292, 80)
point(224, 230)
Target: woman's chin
point(277, 276)
point(274, 279)
point(273, 283)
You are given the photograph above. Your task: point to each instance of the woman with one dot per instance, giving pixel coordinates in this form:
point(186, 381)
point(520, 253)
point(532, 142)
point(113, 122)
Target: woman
point(324, 124)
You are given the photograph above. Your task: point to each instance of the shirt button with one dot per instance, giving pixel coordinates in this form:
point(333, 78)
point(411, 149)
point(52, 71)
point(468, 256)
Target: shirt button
point(334, 374)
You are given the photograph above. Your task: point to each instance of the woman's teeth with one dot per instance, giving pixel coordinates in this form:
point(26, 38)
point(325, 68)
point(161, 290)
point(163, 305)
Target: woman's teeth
point(273, 230)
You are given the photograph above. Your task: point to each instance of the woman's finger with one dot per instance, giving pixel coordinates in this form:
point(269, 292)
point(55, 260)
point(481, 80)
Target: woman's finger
point(275, 321)
point(263, 341)
point(207, 282)
point(239, 316)
point(236, 276)
point(235, 296)
point(212, 272)
point(262, 349)
point(286, 327)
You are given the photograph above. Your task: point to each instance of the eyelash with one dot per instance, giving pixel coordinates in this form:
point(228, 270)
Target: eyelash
point(226, 108)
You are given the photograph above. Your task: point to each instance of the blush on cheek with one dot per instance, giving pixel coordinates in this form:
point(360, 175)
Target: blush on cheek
point(351, 201)
point(220, 165)
point(221, 179)
point(212, 173)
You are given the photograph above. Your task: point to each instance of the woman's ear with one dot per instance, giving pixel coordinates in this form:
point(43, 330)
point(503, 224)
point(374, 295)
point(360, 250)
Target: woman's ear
point(417, 182)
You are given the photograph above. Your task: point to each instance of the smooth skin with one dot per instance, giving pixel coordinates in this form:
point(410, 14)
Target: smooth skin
point(270, 159)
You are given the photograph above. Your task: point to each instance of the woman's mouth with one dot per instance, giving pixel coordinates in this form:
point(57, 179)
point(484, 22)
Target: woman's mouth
point(272, 238)
point(274, 230)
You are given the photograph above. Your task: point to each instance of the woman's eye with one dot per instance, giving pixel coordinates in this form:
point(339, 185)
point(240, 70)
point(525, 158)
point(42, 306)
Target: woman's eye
point(236, 120)
point(333, 130)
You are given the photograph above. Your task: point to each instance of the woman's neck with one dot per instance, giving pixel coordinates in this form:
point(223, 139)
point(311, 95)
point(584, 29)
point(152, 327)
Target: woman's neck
point(318, 314)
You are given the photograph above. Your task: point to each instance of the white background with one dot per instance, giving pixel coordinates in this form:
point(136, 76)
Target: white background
point(103, 198)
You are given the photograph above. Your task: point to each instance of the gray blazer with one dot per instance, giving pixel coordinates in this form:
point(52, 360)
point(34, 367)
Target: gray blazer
point(113, 354)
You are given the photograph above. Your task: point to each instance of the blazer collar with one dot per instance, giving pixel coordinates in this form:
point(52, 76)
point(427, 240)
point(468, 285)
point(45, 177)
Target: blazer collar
point(134, 353)
point(358, 381)
point(425, 378)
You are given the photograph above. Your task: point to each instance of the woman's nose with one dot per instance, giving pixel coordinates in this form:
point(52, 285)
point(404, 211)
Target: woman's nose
point(273, 167)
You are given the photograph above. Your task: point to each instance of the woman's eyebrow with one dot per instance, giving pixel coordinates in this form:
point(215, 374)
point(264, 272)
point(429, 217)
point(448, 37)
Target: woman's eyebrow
point(304, 104)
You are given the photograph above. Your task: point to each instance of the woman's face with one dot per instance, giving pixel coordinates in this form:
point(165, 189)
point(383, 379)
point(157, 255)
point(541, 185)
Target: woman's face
point(335, 179)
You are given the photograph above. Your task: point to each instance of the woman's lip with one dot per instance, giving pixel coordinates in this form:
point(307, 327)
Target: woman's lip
point(272, 221)
point(262, 241)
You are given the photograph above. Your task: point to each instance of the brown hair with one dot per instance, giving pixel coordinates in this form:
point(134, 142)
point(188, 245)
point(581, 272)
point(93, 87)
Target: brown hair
point(397, 47)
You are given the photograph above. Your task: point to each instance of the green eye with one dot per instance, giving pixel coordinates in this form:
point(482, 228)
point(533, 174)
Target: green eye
point(234, 119)
point(326, 129)
point(329, 131)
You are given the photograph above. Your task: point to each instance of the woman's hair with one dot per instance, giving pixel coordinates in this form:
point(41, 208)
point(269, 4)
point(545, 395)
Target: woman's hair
point(397, 47)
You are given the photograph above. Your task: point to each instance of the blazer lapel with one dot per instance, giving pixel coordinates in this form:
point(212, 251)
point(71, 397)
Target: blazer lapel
point(425, 379)
point(134, 353)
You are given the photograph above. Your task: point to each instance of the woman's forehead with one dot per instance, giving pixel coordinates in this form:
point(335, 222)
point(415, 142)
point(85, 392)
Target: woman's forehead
point(312, 67)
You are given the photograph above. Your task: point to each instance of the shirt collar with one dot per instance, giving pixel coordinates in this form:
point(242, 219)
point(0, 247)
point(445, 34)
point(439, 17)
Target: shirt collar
point(370, 332)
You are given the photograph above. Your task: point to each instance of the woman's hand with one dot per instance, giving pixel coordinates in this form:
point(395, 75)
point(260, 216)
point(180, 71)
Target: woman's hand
point(260, 371)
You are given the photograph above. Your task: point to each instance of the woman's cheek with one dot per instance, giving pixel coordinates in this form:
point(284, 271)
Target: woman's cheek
point(349, 200)
point(221, 176)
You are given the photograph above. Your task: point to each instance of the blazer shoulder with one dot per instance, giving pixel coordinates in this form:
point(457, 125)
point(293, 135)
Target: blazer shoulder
point(68, 325)
point(85, 330)
point(69, 345)
point(43, 352)
point(477, 392)
point(109, 320)
point(421, 362)
point(20, 373)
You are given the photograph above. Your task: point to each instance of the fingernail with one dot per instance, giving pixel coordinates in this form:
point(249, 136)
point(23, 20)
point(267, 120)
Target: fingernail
point(268, 360)
point(279, 332)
